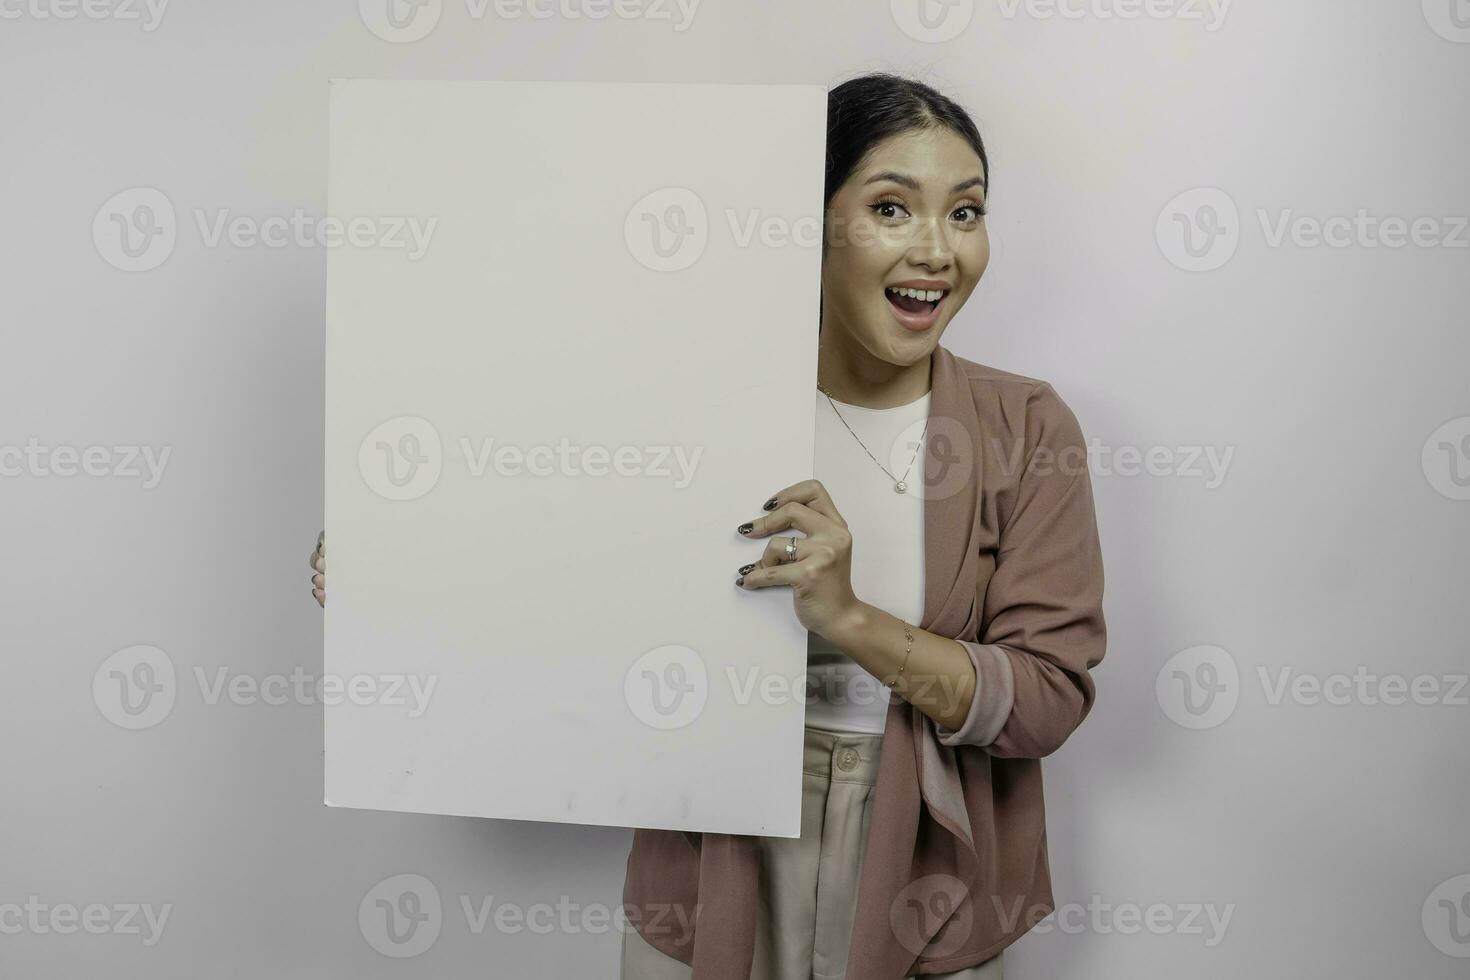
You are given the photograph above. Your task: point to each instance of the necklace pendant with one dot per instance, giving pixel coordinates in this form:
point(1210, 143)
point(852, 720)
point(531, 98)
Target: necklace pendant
point(900, 487)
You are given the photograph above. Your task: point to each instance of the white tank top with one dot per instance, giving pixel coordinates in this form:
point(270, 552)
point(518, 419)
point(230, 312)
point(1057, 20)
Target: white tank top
point(887, 551)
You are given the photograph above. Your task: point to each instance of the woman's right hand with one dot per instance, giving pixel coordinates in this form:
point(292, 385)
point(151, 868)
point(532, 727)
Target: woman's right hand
point(318, 561)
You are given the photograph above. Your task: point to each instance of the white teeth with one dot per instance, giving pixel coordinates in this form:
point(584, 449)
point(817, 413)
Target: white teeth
point(927, 295)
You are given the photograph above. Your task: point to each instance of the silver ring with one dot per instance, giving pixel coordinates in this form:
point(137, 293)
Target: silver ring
point(791, 550)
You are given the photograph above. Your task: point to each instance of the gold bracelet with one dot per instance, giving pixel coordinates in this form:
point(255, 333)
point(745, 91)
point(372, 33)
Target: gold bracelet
point(909, 635)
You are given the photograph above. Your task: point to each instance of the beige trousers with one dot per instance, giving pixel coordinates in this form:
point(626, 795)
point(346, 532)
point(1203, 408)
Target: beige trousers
point(808, 893)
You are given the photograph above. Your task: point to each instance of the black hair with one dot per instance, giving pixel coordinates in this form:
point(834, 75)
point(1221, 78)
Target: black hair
point(863, 112)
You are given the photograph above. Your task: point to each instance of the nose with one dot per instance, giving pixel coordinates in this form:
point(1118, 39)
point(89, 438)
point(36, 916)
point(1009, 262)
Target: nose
point(931, 247)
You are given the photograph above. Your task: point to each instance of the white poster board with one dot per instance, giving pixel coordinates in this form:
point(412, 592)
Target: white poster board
point(571, 345)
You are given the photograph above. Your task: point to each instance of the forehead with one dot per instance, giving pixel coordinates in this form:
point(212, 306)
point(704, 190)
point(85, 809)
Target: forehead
point(938, 158)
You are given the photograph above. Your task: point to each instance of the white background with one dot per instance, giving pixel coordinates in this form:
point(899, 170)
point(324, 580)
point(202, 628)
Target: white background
point(1331, 831)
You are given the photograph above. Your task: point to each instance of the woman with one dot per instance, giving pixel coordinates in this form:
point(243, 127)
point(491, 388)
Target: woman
point(965, 509)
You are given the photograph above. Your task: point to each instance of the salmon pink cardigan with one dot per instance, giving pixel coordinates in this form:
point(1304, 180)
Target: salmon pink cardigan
point(956, 862)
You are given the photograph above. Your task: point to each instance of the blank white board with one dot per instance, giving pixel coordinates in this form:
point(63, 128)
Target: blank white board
point(571, 345)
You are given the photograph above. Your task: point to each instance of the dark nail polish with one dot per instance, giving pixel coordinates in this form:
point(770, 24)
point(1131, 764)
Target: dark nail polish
point(769, 504)
point(740, 580)
point(746, 568)
point(746, 528)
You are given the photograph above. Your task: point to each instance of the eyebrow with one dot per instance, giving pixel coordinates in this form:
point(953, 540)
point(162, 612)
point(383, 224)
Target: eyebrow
point(913, 184)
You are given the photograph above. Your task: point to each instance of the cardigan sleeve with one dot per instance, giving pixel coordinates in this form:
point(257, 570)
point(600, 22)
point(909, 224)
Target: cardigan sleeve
point(1041, 629)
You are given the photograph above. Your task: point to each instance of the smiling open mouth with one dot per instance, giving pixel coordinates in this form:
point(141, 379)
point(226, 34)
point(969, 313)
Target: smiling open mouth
point(915, 309)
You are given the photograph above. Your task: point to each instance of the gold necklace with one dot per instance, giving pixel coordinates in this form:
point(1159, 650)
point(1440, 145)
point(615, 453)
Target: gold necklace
point(899, 485)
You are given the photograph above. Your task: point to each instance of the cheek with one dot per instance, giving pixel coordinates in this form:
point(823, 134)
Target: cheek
point(873, 241)
point(978, 254)
point(858, 267)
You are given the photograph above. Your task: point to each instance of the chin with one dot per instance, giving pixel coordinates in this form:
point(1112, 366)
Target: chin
point(894, 344)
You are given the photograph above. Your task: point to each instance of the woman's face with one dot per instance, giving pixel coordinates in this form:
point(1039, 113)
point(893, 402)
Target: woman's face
point(910, 215)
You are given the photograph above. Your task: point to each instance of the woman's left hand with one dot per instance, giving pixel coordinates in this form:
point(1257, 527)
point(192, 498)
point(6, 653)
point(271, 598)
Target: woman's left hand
point(820, 575)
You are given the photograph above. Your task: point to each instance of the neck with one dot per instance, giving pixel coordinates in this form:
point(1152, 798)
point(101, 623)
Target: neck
point(850, 374)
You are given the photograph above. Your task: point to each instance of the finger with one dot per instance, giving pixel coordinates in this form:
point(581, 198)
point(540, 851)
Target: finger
point(775, 553)
point(764, 577)
point(311, 559)
point(814, 495)
point(785, 517)
point(321, 544)
point(320, 564)
point(320, 581)
point(321, 597)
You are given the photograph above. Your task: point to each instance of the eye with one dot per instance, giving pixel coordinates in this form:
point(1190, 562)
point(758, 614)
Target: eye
point(978, 210)
point(887, 202)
